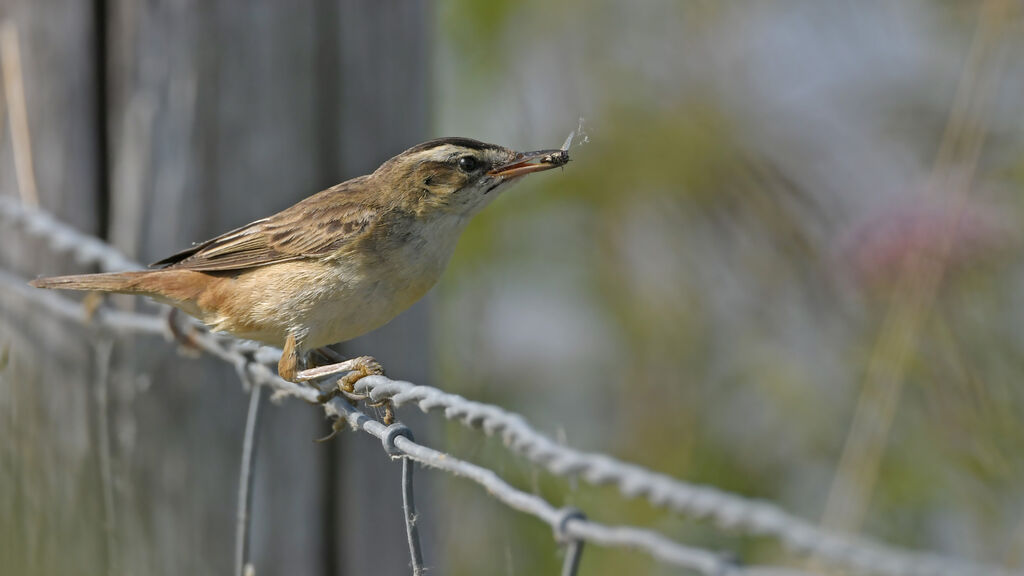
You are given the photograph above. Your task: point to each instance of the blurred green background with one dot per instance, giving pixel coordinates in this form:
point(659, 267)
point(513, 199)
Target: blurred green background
point(784, 261)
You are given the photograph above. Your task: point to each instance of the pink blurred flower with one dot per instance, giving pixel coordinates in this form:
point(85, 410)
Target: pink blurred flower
point(874, 252)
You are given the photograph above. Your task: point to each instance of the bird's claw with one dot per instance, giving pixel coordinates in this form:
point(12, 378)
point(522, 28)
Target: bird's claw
point(357, 369)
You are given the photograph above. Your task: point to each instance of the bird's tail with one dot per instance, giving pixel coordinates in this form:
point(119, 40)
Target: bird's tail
point(119, 282)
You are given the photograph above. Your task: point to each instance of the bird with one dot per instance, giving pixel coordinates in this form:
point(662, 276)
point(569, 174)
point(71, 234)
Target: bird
point(339, 263)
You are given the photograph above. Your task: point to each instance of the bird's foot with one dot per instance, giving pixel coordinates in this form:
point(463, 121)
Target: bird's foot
point(357, 369)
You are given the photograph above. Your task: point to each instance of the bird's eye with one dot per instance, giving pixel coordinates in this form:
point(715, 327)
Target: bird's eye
point(468, 163)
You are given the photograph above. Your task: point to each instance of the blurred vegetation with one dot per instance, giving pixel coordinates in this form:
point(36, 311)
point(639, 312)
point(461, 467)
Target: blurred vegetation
point(785, 261)
point(703, 289)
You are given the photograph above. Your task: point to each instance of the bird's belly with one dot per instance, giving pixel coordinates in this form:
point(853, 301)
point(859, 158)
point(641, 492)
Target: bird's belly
point(320, 303)
point(359, 309)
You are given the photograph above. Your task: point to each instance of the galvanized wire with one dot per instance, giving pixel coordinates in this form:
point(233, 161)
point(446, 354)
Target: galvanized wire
point(732, 512)
point(412, 532)
point(657, 545)
point(573, 546)
point(243, 534)
point(245, 357)
point(729, 511)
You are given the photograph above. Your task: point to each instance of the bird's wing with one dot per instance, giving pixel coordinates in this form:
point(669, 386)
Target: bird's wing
point(319, 225)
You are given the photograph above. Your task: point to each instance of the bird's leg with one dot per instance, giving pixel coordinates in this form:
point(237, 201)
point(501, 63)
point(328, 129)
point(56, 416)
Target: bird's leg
point(330, 355)
point(288, 365)
point(356, 368)
point(362, 366)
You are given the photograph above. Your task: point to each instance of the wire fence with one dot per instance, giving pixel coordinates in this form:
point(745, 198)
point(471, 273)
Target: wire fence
point(571, 528)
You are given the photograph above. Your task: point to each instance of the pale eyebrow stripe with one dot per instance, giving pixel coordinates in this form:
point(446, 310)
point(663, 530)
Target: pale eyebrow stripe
point(440, 154)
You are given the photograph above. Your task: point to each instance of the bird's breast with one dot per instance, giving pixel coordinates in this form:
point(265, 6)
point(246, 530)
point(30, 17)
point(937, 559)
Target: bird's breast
point(373, 284)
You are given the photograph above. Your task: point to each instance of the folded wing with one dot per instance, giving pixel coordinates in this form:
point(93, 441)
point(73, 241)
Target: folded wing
point(321, 224)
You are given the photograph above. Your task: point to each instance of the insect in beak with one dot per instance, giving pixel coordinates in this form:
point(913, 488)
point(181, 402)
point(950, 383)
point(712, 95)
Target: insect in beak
point(528, 162)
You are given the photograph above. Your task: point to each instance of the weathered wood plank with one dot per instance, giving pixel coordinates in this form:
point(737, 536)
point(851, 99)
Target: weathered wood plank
point(213, 128)
point(51, 506)
point(217, 114)
point(384, 94)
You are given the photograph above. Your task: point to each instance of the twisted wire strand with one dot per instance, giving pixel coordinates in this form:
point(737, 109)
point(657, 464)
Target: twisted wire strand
point(248, 359)
point(657, 545)
point(729, 511)
point(247, 469)
point(62, 238)
point(412, 531)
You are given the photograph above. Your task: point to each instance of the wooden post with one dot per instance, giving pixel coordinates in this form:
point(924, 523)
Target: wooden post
point(52, 516)
point(209, 115)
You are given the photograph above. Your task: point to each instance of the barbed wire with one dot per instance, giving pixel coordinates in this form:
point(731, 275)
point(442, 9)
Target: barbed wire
point(567, 525)
point(731, 512)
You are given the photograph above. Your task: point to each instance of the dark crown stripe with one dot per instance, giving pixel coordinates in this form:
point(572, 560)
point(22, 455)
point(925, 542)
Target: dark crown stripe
point(461, 142)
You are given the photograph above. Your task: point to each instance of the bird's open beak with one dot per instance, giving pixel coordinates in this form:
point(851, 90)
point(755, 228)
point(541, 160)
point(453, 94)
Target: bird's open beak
point(527, 162)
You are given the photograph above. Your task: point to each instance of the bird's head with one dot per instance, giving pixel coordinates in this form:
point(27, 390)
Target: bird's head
point(458, 175)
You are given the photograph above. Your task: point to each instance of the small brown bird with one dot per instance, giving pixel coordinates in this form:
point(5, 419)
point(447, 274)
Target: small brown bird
point(339, 263)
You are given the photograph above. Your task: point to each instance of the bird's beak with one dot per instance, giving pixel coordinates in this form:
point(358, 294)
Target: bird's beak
point(527, 162)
